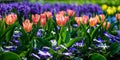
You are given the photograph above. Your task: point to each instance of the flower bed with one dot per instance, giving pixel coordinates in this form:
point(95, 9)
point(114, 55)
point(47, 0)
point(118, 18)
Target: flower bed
point(57, 32)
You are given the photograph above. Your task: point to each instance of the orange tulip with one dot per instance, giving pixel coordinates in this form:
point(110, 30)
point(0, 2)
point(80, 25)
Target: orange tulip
point(35, 18)
point(97, 18)
point(70, 12)
point(61, 20)
point(83, 19)
point(62, 12)
point(10, 19)
point(49, 14)
point(27, 25)
point(43, 19)
point(118, 16)
point(106, 25)
point(102, 16)
point(93, 21)
point(78, 20)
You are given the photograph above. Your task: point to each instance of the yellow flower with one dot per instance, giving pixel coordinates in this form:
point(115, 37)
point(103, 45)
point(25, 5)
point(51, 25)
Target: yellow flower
point(110, 11)
point(104, 7)
point(118, 8)
point(114, 9)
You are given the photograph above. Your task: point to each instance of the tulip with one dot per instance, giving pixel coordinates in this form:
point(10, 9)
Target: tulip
point(35, 18)
point(93, 21)
point(43, 19)
point(85, 19)
point(61, 20)
point(102, 16)
point(97, 18)
point(110, 11)
point(49, 14)
point(106, 25)
point(78, 20)
point(104, 7)
point(62, 12)
point(70, 12)
point(118, 16)
point(118, 8)
point(27, 25)
point(10, 19)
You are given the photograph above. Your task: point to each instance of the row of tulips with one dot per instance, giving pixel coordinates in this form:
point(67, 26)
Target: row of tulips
point(65, 37)
point(60, 36)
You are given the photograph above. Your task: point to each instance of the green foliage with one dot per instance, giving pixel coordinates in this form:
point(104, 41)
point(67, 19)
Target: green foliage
point(9, 56)
point(97, 56)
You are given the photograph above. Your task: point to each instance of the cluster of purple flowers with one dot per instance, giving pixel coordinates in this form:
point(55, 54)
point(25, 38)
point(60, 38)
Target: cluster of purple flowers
point(24, 8)
point(113, 38)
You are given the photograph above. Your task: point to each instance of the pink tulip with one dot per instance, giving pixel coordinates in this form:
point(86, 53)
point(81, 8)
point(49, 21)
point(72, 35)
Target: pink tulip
point(118, 16)
point(27, 25)
point(10, 19)
point(102, 16)
point(61, 20)
point(43, 19)
point(62, 12)
point(85, 19)
point(35, 18)
point(70, 12)
point(49, 14)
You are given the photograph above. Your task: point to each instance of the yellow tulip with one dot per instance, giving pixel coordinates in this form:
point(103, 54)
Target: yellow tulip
point(104, 7)
point(118, 8)
point(110, 11)
point(114, 9)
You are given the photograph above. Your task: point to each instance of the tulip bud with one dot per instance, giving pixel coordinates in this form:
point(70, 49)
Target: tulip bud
point(118, 16)
point(102, 16)
point(70, 12)
point(97, 17)
point(62, 12)
point(61, 20)
point(93, 21)
point(106, 25)
point(35, 18)
point(27, 25)
point(85, 19)
point(43, 19)
point(49, 14)
point(78, 20)
point(104, 7)
point(10, 19)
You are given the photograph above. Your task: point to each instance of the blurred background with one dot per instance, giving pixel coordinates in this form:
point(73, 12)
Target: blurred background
point(108, 2)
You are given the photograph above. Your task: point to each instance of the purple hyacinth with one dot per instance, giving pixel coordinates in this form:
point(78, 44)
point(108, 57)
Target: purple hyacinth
point(44, 54)
point(39, 33)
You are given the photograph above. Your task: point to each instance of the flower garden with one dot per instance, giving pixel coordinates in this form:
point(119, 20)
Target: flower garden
point(59, 31)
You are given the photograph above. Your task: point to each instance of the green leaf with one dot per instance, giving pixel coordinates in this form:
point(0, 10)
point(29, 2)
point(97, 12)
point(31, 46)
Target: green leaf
point(77, 58)
point(59, 40)
point(114, 48)
point(8, 29)
point(44, 42)
point(112, 26)
point(9, 34)
point(95, 31)
point(2, 25)
point(67, 38)
point(97, 56)
point(9, 56)
point(85, 31)
point(71, 42)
